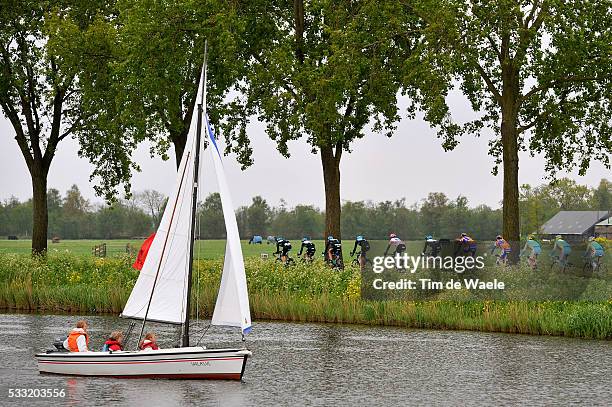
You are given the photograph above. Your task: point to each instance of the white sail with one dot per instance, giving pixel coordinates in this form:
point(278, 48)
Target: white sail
point(165, 270)
point(232, 307)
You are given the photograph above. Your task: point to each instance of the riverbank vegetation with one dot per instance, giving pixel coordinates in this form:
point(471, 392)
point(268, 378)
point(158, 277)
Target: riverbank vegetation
point(78, 284)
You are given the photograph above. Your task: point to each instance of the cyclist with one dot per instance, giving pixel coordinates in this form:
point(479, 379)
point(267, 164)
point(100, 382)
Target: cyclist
point(594, 252)
point(394, 241)
point(466, 243)
point(364, 246)
point(333, 249)
point(434, 246)
point(504, 246)
point(534, 248)
point(310, 249)
point(282, 248)
point(564, 249)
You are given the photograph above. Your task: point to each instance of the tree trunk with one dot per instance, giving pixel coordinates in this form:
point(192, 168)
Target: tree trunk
point(40, 219)
point(510, 148)
point(511, 216)
point(331, 178)
point(511, 182)
point(179, 140)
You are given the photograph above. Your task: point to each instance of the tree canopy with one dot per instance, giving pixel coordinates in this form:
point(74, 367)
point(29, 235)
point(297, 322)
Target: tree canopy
point(322, 70)
point(539, 72)
point(39, 90)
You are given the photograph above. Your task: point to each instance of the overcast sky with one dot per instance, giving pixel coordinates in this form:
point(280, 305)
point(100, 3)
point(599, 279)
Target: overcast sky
point(409, 165)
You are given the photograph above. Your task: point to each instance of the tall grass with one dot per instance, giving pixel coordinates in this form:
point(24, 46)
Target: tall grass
point(70, 283)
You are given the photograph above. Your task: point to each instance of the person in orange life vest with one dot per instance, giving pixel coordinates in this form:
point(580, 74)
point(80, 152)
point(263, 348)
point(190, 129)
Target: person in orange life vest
point(78, 339)
point(114, 342)
point(149, 342)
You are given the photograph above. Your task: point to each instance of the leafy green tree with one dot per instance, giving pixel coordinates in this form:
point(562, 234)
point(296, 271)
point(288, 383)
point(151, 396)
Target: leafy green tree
point(75, 211)
point(35, 94)
point(54, 208)
point(602, 196)
point(432, 210)
point(41, 89)
point(536, 207)
point(306, 220)
point(258, 217)
point(210, 216)
point(568, 195)
point(485, 222)
point(407, 222)
point(142, 85)
point(457, 219)
point(323, 70)
point(538, 70)
point(356, 219)
point(16, 217)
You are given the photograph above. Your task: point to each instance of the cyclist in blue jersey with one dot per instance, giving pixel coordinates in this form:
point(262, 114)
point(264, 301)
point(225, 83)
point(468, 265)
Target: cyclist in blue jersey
point(563, 248)
point(282, 249)
point(534, 248)
point(433, 245)
point(310, 249)
point(594, 252)
point(364, 246)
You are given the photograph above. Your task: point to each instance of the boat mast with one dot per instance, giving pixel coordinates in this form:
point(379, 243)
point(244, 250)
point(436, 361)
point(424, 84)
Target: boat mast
point(201, 106)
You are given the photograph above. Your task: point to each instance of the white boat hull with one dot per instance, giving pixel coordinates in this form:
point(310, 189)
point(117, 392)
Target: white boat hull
point(175, 363)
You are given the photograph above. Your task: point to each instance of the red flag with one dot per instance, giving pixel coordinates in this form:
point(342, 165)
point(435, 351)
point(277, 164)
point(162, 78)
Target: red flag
point(142, 253)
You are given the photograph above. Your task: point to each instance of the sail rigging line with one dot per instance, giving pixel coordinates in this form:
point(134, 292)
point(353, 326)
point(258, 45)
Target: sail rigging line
point(144, 320)
point(205, 330)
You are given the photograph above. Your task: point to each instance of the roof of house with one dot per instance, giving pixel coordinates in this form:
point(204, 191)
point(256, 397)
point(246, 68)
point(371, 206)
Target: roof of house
point(605, 222)
point(573, 222)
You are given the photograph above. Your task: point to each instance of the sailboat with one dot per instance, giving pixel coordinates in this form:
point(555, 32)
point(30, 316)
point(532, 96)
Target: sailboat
point(163, 289)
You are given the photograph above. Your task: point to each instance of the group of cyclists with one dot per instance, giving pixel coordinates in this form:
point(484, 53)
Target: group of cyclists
point(332, 252)
point(560, 252)
point(464, 245)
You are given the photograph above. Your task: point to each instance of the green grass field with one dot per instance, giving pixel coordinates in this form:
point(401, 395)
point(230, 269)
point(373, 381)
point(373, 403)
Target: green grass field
point(215, 249)
point(204, 249)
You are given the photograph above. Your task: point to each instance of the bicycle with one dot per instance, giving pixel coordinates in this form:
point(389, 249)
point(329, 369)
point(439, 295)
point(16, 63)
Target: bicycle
point(500, 259)
point(335, 261)
point(361, 260)
point(532, 261)
point(562, 264)
point(308, 258)
point(594, 265)
point(287, 261)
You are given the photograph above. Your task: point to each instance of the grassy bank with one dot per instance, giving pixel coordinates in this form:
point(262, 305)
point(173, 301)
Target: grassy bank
point(80, 284)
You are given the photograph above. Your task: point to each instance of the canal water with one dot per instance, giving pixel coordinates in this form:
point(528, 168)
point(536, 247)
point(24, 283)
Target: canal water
point(326, 364)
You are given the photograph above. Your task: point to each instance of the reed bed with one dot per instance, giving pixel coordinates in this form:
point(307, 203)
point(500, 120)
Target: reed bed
point(65, 282)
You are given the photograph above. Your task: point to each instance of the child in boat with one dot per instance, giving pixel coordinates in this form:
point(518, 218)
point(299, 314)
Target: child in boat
point(149, 342)
point(78, 339)
point(114, 342)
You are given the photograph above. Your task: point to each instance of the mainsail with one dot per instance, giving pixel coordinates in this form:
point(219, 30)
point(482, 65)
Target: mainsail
point(160, 293)
point(232, 307)
point(161, 288)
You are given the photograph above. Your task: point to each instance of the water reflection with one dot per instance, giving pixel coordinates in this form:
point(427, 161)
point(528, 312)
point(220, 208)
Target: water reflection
point(318, 364)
